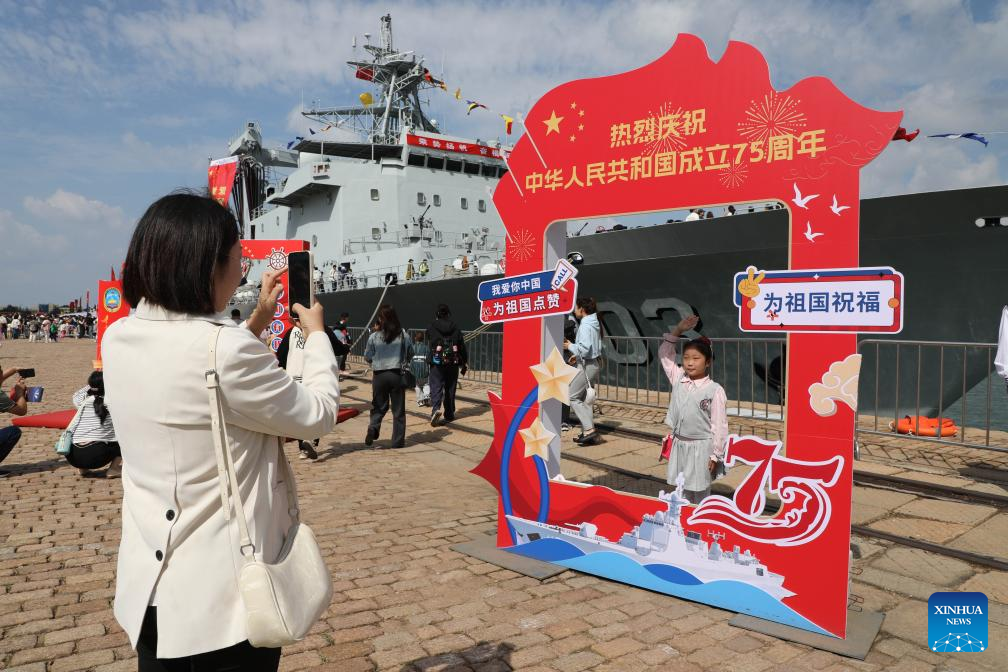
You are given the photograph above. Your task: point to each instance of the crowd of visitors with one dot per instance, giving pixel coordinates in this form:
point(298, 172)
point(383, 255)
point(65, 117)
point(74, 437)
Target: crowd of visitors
point(45, 327)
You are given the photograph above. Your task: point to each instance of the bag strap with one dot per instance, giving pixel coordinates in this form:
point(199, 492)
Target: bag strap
point(78, 416)
point(229, 490)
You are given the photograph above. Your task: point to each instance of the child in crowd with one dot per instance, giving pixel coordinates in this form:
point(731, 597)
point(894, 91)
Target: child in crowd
point(696, 413)
point(421, 369)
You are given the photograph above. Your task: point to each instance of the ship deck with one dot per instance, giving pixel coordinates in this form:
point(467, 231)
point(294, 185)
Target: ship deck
point(404, 600)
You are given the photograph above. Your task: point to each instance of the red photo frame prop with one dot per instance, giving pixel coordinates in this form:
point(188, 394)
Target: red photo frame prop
point(687, 131)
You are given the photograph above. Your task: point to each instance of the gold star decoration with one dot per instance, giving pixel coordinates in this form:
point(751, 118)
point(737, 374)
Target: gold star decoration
point(572, 138)
point(573, 106)
point(554, 377)
point(553, 123)
point(537, 439)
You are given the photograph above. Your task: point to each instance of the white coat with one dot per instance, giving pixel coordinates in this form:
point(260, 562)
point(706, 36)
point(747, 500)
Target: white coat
point(177, 552)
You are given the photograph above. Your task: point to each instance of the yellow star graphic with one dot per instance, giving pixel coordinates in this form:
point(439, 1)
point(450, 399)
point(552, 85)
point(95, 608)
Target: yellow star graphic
point(537, 439)
point(554, 377)
point(553, 123)
point(581, 113)
point(573, 106)
point(572, 138)
point(580, 127)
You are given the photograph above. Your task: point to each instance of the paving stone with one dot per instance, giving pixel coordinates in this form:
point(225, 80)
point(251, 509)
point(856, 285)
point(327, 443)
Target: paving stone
point(993, 584)
point(950, 512)
point(908, 620)
point(986, 540)
point(920, 528)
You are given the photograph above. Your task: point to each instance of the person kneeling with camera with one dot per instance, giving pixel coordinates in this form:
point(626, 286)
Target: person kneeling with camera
point(18, 405)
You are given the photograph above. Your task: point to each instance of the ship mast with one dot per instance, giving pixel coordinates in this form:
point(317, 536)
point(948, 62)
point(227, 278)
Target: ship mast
point(399, 78)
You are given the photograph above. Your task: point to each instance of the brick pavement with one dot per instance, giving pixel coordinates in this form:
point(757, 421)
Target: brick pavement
point(403, 600)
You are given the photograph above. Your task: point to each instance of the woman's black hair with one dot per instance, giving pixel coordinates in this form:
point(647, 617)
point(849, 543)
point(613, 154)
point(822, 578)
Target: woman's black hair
point(391, 328)
point(587, 304)
point(442, 312)
point(703, 346)
point(96, 388)
point(176, 246)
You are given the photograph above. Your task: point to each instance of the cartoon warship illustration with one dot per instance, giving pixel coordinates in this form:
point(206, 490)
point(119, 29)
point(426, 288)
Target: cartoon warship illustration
point(661, 540)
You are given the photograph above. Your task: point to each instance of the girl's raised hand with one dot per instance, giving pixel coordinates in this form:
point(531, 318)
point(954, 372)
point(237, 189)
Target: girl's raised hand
point(687, 323)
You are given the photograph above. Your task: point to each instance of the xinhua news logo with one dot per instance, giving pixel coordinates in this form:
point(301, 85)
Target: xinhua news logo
point(957, 622)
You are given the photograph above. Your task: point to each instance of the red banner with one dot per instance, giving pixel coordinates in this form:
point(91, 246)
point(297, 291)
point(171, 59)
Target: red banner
point(112, 306)
point(220, 178)
point(453, 146)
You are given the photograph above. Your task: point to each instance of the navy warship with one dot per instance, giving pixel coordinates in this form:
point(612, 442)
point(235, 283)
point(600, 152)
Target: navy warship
point(397, 210)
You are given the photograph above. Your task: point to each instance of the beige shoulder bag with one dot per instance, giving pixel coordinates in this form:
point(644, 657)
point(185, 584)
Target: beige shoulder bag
point(283, 600)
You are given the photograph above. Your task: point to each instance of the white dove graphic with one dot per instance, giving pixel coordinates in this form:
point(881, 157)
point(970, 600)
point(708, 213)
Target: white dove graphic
point(837, 209)
point(808, 232)
point(799, 200)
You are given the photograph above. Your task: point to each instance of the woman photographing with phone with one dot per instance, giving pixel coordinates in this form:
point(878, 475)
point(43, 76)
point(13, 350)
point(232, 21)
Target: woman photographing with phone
point(180, 566)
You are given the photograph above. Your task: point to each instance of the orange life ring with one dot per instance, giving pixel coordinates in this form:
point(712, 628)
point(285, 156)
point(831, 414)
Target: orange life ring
point(922, 426)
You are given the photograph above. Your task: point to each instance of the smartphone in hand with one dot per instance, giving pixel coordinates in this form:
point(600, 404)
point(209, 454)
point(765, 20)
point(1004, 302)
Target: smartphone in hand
point(300, 288)
point(26, 373)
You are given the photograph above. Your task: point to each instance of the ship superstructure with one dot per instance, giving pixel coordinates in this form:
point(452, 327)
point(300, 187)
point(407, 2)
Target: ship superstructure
point(660, 539)
point(379, 191)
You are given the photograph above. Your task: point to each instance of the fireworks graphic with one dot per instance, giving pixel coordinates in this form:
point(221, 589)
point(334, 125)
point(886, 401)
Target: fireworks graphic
point(673, 141)
point(774, 115)
point(734, 174)
point(521, 245)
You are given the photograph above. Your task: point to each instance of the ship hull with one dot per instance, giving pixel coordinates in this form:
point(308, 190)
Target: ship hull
point(645, 280)
point(686, 560)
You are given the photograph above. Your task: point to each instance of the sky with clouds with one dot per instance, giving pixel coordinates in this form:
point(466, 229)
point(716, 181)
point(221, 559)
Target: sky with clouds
point(108, 105)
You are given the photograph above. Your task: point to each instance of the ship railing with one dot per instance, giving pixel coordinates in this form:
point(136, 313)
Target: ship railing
point(933, 379)
point(439, 269)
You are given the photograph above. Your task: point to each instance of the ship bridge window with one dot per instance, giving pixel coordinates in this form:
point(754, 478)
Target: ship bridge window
point(472, 168)
point(437, 201)
point(374, 195)
point(421, 199)
point(482, 205)
point(416, 160)
point(453, 166)
point(489, 171)
point(435, 162)
point(465, 203)
point(501, 172)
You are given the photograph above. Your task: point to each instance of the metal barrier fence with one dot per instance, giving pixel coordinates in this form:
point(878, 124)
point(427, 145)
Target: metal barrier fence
point(898, 378)
point(942, 380)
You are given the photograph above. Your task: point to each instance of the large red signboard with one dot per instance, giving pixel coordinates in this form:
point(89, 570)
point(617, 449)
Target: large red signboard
point(694, 132)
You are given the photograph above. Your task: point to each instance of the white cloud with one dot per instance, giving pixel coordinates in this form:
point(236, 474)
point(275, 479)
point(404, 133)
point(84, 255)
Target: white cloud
point(23, 240)
point(66, 205)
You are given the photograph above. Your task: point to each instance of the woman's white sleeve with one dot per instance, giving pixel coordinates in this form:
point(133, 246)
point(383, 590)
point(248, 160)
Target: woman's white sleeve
point(260, 396)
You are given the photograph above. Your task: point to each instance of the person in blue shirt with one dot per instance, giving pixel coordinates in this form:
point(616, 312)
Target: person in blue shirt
point(586, 350)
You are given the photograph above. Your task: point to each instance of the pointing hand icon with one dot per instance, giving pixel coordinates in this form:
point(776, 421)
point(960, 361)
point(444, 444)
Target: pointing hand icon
point(749, 287)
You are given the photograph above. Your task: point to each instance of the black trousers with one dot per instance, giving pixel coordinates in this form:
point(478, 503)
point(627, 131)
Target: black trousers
point(94, 455)
point(443, 384)
point(241, 657)
point(387, 391)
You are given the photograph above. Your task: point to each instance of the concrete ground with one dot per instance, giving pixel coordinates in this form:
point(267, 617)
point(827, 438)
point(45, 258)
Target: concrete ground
point(404, 600)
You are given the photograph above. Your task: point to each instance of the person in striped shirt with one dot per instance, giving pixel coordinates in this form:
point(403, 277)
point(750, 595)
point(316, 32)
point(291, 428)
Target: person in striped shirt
point(94, 437)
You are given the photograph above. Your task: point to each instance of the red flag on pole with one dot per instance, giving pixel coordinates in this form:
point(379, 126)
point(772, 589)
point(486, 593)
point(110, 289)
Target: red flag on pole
point(221, 177)
point(901, 134)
